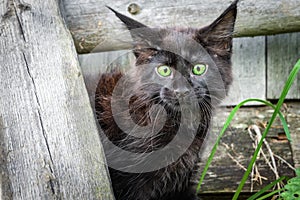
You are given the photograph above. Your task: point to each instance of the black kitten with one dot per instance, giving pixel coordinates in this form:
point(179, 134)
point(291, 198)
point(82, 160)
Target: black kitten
point(155, 117)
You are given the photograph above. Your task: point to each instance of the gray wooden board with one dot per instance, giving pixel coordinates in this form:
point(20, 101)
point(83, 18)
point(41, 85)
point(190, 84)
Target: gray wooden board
point(49, 143)
point(293, 118)
point(283, 53)
point(93, 25)
point(248, 68)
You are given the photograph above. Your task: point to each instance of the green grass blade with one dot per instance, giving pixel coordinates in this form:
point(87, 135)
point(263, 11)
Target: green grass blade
point(283, 121)
point(286, 88)
point(270, 194)
point(266, 188)
point(227, 123)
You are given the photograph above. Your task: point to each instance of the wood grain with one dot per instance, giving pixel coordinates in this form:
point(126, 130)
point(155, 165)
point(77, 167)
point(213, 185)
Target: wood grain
point(95, 28)
point(249, 70)
point(293, 118)
point(283, 53)
point(49, 143)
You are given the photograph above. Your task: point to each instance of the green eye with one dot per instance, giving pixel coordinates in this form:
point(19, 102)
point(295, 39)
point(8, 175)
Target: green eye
point(164, 70)
point(199, 69)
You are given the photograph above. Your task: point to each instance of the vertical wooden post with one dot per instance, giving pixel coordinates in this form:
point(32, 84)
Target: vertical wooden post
point(49, 144)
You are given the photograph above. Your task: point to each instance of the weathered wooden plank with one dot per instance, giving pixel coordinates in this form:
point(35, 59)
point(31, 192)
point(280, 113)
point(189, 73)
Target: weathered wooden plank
point(293, 118)
point(283, 53)
point(49, 146)
point(249, 70)
point(93, 25)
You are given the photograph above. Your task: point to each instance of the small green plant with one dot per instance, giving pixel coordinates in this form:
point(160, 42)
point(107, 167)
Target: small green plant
point(292, 189)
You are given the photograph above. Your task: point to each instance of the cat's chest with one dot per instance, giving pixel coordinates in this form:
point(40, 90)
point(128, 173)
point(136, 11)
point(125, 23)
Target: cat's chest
point(172, 178)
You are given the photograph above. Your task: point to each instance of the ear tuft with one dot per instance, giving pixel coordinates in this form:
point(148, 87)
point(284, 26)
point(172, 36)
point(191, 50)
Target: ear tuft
point(144, 38)
point(219, 34)
point(225, 22)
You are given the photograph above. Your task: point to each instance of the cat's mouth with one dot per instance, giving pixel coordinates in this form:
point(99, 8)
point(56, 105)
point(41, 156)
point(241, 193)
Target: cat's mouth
point(172, 101)
point(173, 105)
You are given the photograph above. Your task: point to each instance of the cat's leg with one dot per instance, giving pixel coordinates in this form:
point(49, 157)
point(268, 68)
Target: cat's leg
point(188, 194)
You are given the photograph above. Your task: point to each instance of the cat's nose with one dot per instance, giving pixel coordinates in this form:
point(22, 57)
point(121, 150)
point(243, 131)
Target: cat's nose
point(181, 92)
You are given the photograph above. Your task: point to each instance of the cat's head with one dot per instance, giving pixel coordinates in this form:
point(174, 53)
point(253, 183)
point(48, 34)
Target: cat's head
point(183, 61)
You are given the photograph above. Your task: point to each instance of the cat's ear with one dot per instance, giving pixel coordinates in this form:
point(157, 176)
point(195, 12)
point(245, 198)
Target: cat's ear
point(142, 35)
point(218, 35)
